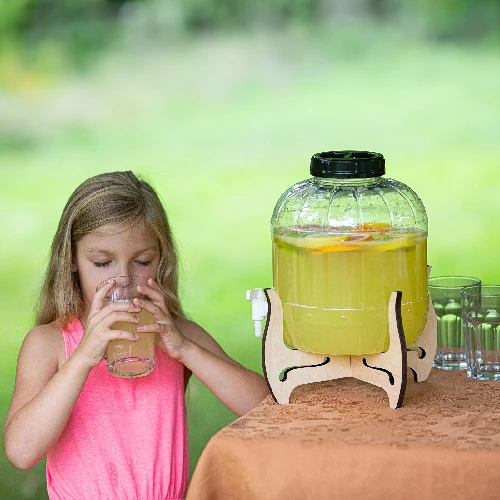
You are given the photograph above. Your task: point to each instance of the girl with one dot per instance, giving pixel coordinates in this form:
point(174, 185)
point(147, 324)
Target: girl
point(107, 437)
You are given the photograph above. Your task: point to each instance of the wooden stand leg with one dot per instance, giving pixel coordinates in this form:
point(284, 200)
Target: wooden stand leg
point(387, 369)
point(421, 353)
point(286, 368)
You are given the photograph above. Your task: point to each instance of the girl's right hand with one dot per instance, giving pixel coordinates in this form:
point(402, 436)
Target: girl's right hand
point(101, 318)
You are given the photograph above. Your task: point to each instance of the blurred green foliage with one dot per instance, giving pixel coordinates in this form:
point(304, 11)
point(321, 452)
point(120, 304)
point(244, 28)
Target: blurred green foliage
point(51, 36)
point(84, 25)
point(221, 104)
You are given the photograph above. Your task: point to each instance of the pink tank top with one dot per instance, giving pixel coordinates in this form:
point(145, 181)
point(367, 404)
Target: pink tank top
point(125, 439)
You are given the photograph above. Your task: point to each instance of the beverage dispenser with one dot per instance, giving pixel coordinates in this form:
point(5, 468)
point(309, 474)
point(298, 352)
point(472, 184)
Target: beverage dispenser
point(345, 241)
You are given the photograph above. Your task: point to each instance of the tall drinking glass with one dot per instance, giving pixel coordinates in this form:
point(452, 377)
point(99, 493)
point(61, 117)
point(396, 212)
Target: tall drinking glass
point(481, 314)
point(126, 358)
point(445, 295)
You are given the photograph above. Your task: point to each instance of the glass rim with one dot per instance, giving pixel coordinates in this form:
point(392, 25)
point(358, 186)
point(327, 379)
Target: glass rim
point(102, 283)
point(471, 291)
point(475, 282)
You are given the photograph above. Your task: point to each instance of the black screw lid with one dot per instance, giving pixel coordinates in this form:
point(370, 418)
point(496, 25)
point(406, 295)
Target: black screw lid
point(347, 164)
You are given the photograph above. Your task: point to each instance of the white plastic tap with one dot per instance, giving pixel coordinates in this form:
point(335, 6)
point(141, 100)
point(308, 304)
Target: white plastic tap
point(259, 308)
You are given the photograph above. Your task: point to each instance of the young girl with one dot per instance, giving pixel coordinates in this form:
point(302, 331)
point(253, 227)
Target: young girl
point(107, 437)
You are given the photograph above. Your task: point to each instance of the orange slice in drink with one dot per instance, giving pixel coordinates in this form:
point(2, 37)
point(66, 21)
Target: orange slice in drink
point(360, 237)
point(377, 226)
point(347, 244)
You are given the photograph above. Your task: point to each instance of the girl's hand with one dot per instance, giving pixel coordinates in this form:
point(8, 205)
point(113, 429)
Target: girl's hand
point(101, 318)
point(170, 338)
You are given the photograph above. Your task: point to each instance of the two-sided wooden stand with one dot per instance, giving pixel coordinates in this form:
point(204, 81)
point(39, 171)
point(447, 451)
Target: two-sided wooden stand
point(287, 368)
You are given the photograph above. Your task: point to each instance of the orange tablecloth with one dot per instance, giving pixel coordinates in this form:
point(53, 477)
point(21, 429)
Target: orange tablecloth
point(340, 440)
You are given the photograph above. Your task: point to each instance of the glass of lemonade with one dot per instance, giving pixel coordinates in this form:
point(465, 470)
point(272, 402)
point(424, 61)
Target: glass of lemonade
point(343, 242)
point(126, 358)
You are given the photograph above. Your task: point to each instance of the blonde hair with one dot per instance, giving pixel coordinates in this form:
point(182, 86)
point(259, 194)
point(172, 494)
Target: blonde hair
point(118, 198)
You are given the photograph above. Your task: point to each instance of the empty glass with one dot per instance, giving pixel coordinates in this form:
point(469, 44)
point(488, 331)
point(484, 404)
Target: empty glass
point(445, 295)
point(481, 316)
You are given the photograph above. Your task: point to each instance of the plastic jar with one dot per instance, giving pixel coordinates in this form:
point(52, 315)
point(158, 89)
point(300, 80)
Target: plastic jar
point(343, 241)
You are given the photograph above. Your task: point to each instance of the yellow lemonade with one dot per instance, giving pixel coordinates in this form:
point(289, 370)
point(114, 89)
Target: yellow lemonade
point(335, 286)
point(132, 359)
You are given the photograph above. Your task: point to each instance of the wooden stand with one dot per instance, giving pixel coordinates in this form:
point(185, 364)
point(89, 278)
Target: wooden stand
point(286, 368)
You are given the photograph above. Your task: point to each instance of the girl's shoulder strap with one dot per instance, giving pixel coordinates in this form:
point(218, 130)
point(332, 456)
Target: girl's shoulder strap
point(72, 335)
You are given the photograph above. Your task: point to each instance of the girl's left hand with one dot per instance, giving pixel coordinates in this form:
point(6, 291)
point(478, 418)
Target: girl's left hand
point(171, 340)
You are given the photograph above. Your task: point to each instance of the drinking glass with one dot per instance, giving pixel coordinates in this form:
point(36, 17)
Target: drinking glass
point(481, 315)
point(445, 295)
point(127, 358)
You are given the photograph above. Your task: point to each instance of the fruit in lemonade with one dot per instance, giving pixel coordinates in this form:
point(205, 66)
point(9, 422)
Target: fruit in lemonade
point(335, 286)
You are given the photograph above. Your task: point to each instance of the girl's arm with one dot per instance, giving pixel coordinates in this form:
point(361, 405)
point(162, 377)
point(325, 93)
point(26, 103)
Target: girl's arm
point(47, 387)
point(237, 387)
point(43, 397)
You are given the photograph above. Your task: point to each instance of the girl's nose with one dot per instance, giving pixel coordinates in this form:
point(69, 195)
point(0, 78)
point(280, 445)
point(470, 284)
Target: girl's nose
point(126, 270)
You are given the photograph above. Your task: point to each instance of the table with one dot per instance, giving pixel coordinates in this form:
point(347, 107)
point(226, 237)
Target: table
point(339, 439)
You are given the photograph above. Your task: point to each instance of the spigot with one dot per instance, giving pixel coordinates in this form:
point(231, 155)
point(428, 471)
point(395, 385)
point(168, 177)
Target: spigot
point(259, 308)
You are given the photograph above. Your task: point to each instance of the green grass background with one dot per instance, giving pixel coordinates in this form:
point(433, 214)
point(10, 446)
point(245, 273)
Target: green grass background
point(221, 126)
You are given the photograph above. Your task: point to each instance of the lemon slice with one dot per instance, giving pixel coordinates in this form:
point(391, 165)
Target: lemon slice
point(394, 244)
point(311, 243)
